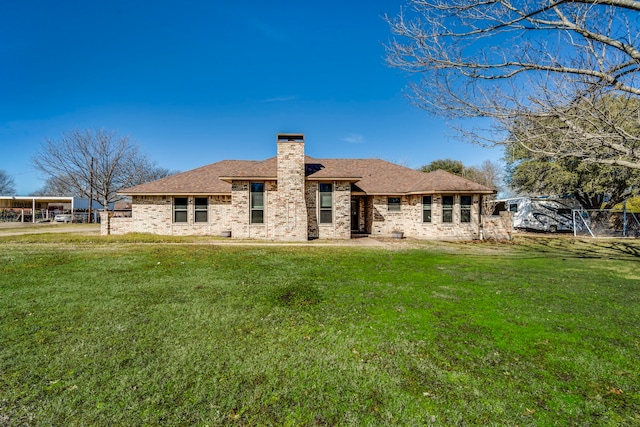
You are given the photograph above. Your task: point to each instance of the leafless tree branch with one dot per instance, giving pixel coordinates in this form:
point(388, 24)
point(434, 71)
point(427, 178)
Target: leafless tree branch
point(514, 60)
point(98, 163)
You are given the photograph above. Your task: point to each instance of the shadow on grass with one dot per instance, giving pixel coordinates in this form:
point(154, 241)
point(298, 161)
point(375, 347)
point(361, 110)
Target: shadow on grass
point(580, 248)
point(626, 248)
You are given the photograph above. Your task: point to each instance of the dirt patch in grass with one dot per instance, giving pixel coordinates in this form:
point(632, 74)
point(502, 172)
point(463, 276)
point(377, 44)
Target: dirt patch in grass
point(297, 295)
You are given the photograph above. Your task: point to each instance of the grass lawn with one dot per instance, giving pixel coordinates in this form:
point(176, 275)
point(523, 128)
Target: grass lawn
point(107, 331)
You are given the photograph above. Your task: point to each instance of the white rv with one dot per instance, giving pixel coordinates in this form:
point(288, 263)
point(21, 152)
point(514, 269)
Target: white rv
point(550, 214)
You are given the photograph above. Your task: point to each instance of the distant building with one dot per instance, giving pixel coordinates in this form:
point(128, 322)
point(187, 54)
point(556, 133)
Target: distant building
point(45, 208)
point(32, 209)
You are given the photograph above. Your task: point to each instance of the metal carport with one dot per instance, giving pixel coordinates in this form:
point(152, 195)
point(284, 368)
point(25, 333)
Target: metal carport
point(33, 204)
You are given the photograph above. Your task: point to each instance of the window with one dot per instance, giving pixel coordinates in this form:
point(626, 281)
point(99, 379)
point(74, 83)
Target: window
point(465, 208)
point(326, 203)
point(513, 207)
point(180, 205)
point(426, 208)
point(257, 203)
point(201, 209)
point(447, 208)
point(393, 204)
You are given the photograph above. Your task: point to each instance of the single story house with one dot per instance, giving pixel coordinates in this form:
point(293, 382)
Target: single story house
point(293, 197)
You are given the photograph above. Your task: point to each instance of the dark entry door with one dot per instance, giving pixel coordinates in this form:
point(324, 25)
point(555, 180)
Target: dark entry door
point(355, 215)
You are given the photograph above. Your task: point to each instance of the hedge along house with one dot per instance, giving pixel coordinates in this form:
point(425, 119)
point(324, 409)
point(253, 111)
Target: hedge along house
point(292, 197)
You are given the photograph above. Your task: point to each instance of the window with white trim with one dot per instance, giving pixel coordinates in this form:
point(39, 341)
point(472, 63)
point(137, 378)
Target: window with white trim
point(325, 193)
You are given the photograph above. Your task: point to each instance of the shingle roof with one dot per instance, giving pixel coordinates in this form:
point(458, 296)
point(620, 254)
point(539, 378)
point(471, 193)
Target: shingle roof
point(440, 181)
point(373, 176)
point(203, 180)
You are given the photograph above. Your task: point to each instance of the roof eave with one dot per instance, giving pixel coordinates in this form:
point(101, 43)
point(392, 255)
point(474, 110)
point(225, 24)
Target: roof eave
point(452, 191)
point(385, 193)
point(247, 178)
point(335, 178)
point(176, 193)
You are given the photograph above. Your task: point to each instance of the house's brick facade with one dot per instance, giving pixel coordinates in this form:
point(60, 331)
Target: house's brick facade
point(410, 219)
point(290, 222)
point(340, 227)
point(291, 209)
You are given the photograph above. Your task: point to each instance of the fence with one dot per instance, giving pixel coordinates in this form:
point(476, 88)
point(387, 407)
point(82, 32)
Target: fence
point(606, 223)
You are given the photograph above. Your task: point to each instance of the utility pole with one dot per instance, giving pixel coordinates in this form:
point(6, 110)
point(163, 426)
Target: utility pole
point(624, 219)
point(90, 190)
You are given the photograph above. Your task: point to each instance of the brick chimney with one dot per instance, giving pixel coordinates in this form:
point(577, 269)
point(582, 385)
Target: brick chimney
point(291, 213)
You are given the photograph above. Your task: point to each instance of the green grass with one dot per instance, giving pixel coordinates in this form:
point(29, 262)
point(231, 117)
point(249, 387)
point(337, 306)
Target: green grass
point(98, 331)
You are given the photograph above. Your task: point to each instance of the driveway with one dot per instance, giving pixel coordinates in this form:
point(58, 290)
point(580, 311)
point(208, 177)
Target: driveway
point(18, 228)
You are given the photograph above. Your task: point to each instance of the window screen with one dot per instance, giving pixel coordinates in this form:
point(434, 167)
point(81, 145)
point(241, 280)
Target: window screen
point(447, 208)
point(426, 208)
point(180, 205)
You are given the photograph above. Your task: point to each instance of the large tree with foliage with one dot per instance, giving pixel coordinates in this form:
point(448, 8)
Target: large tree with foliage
point(455, 167)
point(595, 186)
point(7, 184)
point(93, 164)
point(532, 60)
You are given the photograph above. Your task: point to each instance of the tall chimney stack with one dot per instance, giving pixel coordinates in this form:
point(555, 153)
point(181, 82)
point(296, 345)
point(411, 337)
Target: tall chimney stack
point(291, 216)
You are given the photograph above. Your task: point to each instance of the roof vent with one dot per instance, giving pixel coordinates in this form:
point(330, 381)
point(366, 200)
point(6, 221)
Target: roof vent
point(290, 137)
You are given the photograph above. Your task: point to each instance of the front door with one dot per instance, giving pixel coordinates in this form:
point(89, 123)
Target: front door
point(355, 215)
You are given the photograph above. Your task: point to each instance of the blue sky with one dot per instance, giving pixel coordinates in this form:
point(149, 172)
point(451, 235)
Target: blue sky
point(195, 82)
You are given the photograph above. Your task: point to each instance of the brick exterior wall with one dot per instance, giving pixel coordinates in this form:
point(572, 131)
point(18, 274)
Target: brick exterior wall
point(290, 220)
point(409, 219)
point(154, 214)
point(340, 227)
point(291, 211)
point(311, 197)
point(341, 212)
point(241, 226)
point(497, 227)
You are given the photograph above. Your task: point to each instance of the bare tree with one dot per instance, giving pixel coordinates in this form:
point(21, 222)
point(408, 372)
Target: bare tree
point(488, 173)
point(7, 184)
point(95, 165)
point(542, 61)
point(59, 187)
